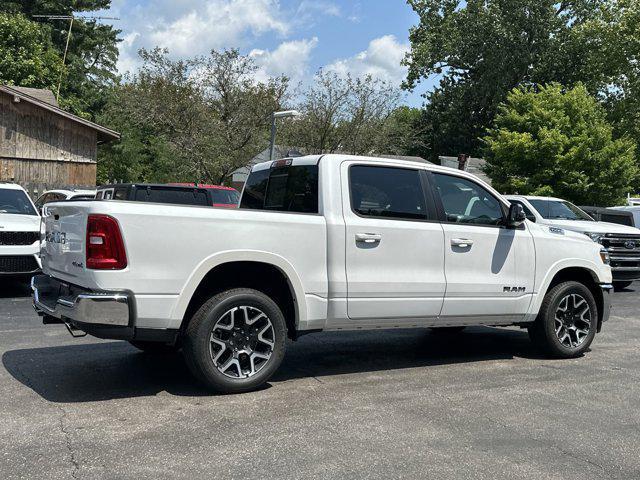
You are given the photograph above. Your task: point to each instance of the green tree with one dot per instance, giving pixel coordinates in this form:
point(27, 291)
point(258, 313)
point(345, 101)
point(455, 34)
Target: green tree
point(342, 114)
point(618, 55)
point(27, 57)
point(551, 141)
point(90, 67)
point(481, 49)
point(197, 119)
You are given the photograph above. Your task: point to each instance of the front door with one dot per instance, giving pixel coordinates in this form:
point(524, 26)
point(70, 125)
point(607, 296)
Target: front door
point(489, 267)
point(394, 248)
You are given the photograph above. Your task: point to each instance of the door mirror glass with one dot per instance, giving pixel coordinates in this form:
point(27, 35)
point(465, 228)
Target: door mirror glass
point(516, 215)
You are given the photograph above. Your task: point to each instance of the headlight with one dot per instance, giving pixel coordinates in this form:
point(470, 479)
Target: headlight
point(596, 237)
point(604, 256)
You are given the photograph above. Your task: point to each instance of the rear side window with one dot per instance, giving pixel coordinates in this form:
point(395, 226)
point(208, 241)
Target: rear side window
point(387, 192)
point(284, 189)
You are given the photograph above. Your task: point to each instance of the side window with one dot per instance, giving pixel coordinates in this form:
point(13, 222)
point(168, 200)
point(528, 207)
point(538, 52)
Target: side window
point(527, 210)
point(387, 192)
point(465, 201)
point(284, 189)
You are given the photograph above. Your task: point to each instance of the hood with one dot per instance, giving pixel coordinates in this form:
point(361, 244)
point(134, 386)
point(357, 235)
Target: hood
point(10, 222)
point(595, 227)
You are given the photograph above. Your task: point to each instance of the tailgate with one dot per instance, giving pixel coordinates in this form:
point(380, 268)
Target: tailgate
point(62, 249)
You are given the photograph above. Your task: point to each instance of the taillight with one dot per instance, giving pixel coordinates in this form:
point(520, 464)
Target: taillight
point(105, 247)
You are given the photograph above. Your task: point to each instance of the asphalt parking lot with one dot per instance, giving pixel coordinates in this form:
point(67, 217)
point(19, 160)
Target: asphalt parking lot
point(400, 404)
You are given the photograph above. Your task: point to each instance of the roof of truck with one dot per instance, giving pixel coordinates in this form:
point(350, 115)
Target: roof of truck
point(335, 157)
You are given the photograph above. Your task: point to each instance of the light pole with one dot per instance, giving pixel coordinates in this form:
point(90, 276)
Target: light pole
point(274, 116)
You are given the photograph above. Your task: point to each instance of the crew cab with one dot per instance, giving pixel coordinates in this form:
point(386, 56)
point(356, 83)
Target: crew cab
point(622, 242)
point(19, 232)
point(329, 242)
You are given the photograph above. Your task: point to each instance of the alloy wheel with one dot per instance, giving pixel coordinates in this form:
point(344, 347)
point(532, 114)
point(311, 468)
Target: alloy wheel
point(242, 342)
point(572, 320)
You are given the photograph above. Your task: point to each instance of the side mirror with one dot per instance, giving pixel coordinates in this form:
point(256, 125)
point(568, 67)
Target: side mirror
point(516, 215)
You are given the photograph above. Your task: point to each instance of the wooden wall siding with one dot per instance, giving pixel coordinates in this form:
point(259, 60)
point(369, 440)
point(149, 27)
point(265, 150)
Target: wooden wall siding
point(47, 171)
point(30, 132)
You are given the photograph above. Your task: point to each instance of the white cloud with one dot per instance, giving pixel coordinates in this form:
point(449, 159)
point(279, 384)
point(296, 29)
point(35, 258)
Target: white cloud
point(218, 23)
point(289, 58)
point(315, 7)
point(381, 60)
point(192, 27)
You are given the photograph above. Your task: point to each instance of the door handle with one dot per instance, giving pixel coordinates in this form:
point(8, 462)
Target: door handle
point(461, 242)
point(368, 237)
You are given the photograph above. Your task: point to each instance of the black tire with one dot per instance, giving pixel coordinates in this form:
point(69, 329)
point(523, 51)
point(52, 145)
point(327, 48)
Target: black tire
point(543, 331)
point(447, 330)
point(156, 348)
point(617, 286)
point(197, 340)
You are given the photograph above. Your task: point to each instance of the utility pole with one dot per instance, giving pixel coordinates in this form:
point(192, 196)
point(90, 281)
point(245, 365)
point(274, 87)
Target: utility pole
point(71, 18)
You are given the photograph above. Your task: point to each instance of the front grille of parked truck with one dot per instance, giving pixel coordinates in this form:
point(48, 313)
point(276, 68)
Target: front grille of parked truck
point(18, 238)
point(18, 264)
point(624, 250)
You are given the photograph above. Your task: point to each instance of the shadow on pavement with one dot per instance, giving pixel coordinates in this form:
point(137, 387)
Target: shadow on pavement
point(105, 371)
point(11, 287)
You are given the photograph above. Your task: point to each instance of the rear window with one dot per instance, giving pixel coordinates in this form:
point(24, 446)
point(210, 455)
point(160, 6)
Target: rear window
point(284, 189)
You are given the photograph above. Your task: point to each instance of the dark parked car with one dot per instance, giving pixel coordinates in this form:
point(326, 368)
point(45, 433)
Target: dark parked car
point(612, 216)
point(156, 193)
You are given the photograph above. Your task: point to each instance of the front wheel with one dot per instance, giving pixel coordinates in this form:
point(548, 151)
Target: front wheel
point(567, 321)
point(235, 341)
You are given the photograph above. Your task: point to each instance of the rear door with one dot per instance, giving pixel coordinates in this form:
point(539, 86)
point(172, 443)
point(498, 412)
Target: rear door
point(394, 247)
point(489, 268)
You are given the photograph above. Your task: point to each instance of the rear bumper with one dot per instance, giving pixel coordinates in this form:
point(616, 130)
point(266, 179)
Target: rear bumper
point(102, 314)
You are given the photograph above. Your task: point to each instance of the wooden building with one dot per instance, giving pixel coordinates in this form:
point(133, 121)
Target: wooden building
point(42, 144)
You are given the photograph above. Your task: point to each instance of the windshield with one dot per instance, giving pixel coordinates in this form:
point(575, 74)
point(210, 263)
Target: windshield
point(559, 210)
point(15, 202)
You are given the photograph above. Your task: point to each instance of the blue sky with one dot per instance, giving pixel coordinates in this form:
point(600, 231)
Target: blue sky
point(292, 37)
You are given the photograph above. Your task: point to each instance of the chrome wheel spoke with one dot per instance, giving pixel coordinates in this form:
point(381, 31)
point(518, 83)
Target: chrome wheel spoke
point(267, 329)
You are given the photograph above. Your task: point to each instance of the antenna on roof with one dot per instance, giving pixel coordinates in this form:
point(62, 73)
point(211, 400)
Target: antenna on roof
point(66, 48)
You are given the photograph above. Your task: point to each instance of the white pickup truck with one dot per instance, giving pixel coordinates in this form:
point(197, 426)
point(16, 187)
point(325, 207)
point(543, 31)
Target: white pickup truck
point(327, 242)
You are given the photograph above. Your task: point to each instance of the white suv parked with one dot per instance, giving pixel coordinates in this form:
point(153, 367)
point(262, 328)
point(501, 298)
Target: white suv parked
point(19, 232)
point(621, 241)
point(62, 195)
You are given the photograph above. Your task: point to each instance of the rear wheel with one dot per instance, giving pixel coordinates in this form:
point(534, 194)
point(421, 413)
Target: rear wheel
point(235, 341)
point(621, 285)
point(567, 322)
